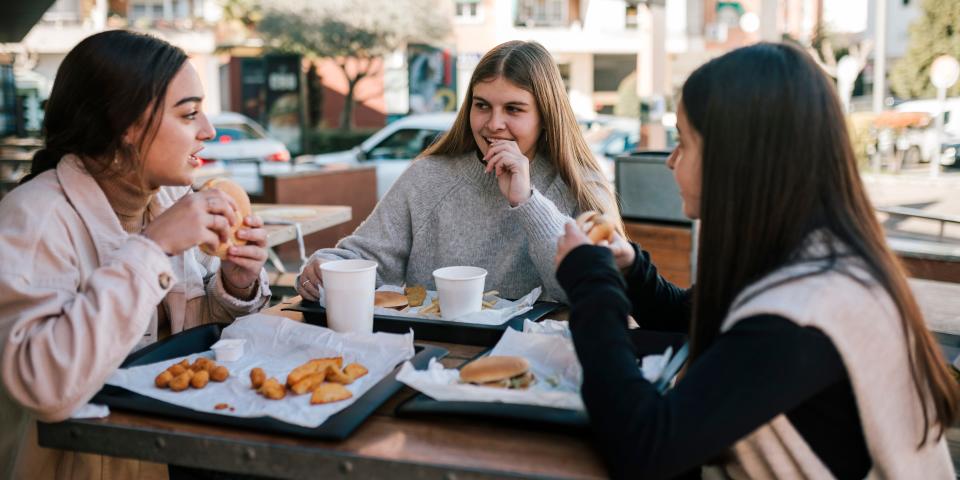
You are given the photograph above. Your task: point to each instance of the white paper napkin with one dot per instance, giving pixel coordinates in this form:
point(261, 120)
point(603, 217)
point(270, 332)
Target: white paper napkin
point(278, 345)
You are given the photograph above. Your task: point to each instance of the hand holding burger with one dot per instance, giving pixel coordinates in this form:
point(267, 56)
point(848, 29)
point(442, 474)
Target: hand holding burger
point(244, 250)
point(592, 228)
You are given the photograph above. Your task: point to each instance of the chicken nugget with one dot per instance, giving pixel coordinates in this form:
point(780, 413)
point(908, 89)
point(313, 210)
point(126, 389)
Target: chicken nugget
point(330, 392)
point(199, 364)
point(163, 380)
point(308, 384)
point(182, 381)
point(257, 377)
point(273, 389)
point(176, 370)
point(334, 374)
point(415, 295)
point(200, 379)
point(219, 373)
point(355, 371)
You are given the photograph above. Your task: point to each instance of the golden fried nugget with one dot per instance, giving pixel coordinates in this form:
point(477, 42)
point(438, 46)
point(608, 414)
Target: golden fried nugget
point(334, 374)
point(415, 295)
point(182, 381)
point(163, 380)
point(308, 384)
point(273, 389)
point(198, 364)
point(176, 370)
point(257, 376)
point(219, 373)
point(200, 379)
point(184, 363)
point(330, 392)
point(355, 371)
point(221, 406)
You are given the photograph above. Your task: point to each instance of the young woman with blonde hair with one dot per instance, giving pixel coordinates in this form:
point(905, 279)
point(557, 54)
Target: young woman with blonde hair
point(494, 192)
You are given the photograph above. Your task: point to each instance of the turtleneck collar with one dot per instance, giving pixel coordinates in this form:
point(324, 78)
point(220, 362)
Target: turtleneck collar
point(129, 200)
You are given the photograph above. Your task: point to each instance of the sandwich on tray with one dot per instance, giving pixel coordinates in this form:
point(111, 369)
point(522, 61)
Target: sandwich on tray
point(500, 371)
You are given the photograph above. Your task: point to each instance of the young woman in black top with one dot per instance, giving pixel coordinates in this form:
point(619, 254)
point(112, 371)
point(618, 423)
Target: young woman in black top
point(765, 163)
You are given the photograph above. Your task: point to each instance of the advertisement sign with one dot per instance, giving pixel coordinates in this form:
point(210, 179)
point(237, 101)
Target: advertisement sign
point(433, 82)
point(284, 108)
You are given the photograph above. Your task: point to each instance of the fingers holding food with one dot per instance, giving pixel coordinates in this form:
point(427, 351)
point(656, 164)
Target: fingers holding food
point(241, 201)
point(596, 226)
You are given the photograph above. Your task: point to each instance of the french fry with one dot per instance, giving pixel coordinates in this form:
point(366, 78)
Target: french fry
point(335, 375)
point(488, 304)
point(330, 392)
point(313, 366)
point(309, 383)
point(491, 293)
point(355, 371)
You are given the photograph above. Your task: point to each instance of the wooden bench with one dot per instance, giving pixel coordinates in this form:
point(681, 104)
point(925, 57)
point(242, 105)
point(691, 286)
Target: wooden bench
point(908, 212)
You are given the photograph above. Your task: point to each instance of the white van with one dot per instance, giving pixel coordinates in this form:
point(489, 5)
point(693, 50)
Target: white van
point(924, 142)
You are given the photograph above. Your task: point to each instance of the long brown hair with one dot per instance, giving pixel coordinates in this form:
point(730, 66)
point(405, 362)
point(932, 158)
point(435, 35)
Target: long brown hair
point(529, 66)
point(777, 164)
point(105, 84)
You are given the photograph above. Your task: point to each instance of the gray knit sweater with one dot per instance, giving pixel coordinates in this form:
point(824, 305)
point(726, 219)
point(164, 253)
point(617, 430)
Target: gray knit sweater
point(446, 211)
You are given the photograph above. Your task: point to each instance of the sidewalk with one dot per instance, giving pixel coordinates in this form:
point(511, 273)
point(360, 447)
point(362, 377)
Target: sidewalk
point(916, 189)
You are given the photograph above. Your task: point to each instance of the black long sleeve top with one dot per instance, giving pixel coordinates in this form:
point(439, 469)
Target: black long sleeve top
point(764, 366)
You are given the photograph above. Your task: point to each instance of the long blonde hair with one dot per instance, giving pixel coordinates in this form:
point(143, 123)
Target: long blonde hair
point(529, 66)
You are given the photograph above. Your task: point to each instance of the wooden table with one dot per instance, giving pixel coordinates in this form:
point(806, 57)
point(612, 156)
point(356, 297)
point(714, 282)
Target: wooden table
point(384, 446)
point(283, 222)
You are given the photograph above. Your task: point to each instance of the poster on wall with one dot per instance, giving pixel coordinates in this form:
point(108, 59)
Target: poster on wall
point(283, 108)
point(433, 79)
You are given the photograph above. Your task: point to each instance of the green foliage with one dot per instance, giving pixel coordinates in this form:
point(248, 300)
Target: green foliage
point(325, 140)
point(935, 32)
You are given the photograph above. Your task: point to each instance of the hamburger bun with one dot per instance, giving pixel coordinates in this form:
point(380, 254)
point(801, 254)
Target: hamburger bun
point(502, 371)
point(243, 210)
point(389, 300)
point(596, 226)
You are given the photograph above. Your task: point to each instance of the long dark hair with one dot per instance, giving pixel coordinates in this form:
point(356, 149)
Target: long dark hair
point(108, 82)
point(777, 165)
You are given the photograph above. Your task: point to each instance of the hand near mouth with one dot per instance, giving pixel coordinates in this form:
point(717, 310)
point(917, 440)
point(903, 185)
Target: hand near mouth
point(512, 169)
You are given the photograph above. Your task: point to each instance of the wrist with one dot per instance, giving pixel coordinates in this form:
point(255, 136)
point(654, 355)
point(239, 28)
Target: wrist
point(241, 292)
point(523, 200)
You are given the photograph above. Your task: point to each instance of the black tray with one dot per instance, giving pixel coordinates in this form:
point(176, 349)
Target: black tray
point(645, 343)
point(199, 339)
point(437, 330)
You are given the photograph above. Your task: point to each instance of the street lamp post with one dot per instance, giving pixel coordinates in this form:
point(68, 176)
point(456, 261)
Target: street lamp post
point(943, 74)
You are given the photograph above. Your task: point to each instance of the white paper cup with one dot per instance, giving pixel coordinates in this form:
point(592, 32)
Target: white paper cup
point(460, 290)
point(348, 287)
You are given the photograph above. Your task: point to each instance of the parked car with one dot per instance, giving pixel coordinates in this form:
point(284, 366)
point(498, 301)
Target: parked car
point(244, 150)
point(920, 144)
point(392, 148)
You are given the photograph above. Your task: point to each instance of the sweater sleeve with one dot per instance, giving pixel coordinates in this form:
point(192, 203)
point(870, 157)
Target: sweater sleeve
point(385, 236)
point(543, 223)
point(643, 434)
point(61, 338)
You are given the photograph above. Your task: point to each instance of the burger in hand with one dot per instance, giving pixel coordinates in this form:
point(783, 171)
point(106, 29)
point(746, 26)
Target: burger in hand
point(502, 371)
point(596, 226)
point(244, 209)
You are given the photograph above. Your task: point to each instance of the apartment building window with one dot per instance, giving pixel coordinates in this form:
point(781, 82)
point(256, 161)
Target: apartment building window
point(542, 13)
point(633, 15)
point(468, 11)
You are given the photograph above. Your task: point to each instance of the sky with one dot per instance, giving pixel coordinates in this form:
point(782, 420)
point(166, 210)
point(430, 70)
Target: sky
point(845, 15)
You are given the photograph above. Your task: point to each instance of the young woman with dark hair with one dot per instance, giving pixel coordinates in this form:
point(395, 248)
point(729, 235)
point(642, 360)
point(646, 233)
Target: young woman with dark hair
point(810, 357)
point(98, 247)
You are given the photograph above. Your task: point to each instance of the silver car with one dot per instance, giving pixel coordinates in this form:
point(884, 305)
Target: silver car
point(244, 151)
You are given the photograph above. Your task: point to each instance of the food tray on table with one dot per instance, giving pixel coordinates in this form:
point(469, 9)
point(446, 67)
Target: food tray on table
point(199, 339)
point(645, 342)
point(435, 329)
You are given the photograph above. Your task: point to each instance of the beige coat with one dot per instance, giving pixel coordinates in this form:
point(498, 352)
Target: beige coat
point(77, 295)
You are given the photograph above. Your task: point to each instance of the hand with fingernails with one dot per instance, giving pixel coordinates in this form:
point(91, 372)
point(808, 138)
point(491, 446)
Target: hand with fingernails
point(310, 282)
point(573, 237)
point(512, 169)
point(206, 218)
